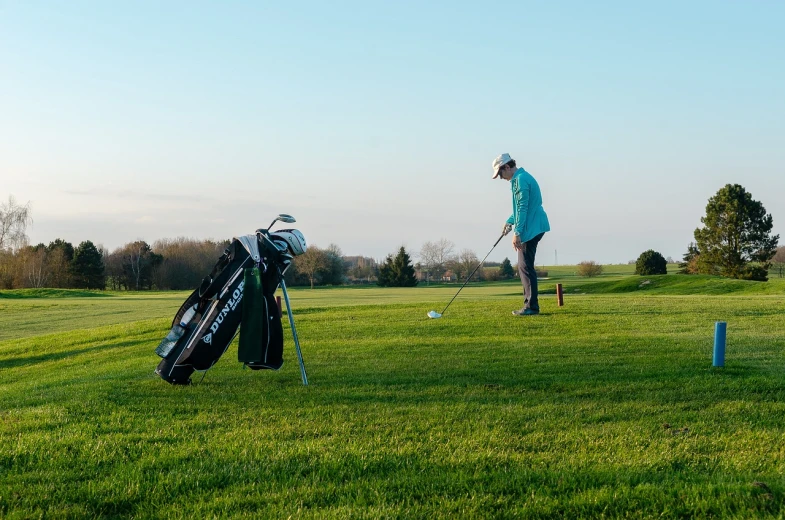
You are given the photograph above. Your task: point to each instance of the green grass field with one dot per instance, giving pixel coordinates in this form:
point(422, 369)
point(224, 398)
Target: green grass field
point(607, 407)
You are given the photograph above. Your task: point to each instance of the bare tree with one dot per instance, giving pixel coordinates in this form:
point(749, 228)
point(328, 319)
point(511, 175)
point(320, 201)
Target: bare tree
point(57, 263)
point(7, 268)
point(133, 265)
point(491, 274)
point(434, 257)
point(778, 261)
point(186, 261)
point(140, 259)
point(359, 268)
point(333, 271)
point(361, 272)
point(589, 268)
point(310, 262)
point(134, 254)
point(14, 219)
point(35, 266)
point(114, 269)
point(467, 262)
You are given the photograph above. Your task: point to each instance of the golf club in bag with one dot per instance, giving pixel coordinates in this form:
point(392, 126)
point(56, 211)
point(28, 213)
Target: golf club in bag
point(435, 315)
point(249, 272)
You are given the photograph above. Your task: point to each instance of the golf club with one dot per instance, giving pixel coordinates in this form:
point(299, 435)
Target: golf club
point(283, 217)
point(435, 315)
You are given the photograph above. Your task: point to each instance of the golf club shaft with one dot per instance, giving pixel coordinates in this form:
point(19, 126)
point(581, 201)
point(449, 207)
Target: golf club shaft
point(475, 270)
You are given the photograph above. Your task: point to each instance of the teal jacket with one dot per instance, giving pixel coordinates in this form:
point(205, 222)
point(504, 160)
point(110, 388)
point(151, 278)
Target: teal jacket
point(528, 218)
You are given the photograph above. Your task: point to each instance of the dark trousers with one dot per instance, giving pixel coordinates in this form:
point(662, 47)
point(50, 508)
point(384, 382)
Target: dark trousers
point(528, 274)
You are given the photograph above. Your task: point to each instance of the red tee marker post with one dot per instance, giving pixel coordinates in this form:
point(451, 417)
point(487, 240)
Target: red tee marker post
point(560, 294)
point(278, 301)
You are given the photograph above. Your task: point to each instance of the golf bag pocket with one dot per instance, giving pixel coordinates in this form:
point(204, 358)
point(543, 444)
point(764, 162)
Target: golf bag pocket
point(179, 328)
point(171, 351)
point(170, 341)
point(253, 330)
point(261, 332)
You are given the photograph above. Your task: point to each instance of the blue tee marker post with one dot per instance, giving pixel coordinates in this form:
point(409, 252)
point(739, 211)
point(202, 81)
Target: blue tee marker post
point(719, 344)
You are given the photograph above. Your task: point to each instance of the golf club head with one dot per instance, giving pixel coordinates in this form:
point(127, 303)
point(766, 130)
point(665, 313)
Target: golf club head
point(283, 217)
point(434, 315)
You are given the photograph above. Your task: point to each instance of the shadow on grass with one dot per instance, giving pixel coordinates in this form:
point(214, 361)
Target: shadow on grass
point(58, 356)
point(578, 383)
point(52, 293)
point(306, 310)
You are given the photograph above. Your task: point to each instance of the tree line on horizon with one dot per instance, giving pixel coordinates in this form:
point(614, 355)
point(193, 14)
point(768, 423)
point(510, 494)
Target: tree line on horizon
point(735, 241)
point(181, 264)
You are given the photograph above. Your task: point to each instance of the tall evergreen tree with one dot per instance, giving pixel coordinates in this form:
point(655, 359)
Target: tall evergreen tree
point(397, 271)
point(66, 247)
point(736, 231)
point(386, 277)
point(87, 267)
point(689, 263)
point(404, 270)
point(505, 270)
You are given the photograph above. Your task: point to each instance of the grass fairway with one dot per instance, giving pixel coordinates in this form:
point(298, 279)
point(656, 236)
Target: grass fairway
point(607, 407)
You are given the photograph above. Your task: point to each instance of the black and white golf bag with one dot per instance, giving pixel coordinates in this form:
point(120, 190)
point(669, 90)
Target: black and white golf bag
point(206, 323)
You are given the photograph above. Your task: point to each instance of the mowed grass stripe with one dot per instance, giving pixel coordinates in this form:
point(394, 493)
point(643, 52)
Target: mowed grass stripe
point(22, 311)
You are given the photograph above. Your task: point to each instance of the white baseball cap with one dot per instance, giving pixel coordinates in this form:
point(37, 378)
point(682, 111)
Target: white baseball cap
point(499, 162)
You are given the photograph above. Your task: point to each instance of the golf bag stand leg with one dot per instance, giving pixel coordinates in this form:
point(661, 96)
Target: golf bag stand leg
point(294, 332)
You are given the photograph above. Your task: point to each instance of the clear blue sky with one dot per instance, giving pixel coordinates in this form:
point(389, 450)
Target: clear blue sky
point(375, 123)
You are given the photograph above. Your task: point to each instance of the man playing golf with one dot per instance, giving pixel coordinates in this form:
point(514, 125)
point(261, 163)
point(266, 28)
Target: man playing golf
point(528, 223)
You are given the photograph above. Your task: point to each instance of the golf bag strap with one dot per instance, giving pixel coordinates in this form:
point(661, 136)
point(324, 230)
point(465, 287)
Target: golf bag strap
point(206, 289)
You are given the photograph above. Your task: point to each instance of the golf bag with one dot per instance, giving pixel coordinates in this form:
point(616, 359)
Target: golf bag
point(211, 316)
